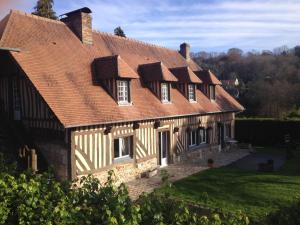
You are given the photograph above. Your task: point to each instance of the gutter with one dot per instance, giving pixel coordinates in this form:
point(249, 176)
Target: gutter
point(148, 119)
point(10, 49)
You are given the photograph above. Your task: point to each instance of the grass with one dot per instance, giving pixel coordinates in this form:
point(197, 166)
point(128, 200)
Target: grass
point(231, 189)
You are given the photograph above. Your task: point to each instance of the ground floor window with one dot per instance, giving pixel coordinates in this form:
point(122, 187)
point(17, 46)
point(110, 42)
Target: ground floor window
point(192, 138)
point(197, 137)
point(202, 136)
point(123, 147)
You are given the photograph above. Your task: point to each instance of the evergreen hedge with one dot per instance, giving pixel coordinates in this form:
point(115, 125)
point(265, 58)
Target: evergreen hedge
point(266, 132)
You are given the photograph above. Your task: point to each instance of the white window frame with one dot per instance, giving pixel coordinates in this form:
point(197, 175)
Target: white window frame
point(123, 92)
point(192, 92)
point(193, 134)
point(165, 90)
point(122, 145)
point(212, 92)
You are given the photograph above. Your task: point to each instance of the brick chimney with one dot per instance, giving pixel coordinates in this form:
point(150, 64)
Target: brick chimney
point(185, 50)
point(80, 22)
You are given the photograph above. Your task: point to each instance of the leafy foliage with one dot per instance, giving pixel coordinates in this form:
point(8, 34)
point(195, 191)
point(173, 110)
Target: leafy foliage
point(28, 199)
point(119, 32)
point(286, 215)
point(44, 8)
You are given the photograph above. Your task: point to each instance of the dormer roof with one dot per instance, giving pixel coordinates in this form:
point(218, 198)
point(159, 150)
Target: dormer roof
point(113, 67)
point(156, 71)
point(208, 77)
point(185, 75)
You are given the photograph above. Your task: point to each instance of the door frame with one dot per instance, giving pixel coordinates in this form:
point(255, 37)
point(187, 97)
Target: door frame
point(168, 146)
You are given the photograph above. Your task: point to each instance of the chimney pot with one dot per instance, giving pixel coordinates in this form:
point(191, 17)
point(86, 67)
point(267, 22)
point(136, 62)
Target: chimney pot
point(185, 50)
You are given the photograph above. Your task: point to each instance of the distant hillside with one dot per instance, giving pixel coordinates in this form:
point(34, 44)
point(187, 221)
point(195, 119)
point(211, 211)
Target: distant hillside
point(269, 80)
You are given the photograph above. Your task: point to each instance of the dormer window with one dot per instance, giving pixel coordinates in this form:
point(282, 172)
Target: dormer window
point(187, 81)
point(123, 92)
point(165, 92)
point(192, 92)
point(212, 92)
point(159, 79)
point(115, 75)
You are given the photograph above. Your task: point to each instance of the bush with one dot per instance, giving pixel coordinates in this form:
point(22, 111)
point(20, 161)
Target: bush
point(28, 199)
point(285, 216)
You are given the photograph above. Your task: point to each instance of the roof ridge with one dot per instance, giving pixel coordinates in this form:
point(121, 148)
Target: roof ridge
point(134, 40)
point(13, 11)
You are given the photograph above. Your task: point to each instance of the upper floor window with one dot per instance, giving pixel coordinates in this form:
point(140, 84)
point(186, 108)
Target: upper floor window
point(192, 92)
point(123, 147)
point(165, 92)
point(212, 92)
point(123, 91)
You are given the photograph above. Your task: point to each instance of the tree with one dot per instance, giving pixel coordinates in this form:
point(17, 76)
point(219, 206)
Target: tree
point(119, 32)
point(44, 8)
point(297, 51)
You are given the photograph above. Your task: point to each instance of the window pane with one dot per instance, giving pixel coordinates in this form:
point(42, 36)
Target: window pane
point(191, 92)
point(123, 147)
point(116, 148)
point(164, 92)
point(122, 87)
point(212, 92)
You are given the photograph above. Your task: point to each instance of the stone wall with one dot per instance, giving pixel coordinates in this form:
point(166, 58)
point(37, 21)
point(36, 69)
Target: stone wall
point(201, 153)
point(128, 171)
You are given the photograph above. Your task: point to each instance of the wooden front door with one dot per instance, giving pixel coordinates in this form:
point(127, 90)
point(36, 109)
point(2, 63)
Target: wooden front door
point(163, 145)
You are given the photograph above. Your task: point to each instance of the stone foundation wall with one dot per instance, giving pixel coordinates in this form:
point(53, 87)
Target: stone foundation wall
point(56, 155)
point(128, 171)
point(197, 154)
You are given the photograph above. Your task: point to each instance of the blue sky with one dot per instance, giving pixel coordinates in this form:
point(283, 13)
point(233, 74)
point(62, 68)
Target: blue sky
point(208, 25)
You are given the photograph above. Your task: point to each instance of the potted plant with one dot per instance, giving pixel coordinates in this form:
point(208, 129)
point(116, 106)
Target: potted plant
point(210, 163)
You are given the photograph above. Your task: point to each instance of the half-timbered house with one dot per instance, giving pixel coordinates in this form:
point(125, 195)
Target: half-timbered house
point(94, 102)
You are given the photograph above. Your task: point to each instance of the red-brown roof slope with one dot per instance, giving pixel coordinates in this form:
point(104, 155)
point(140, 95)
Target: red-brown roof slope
point(60, 67)
point(208, 77)
point(185, 75)
point(113, 67)
point(156, 72)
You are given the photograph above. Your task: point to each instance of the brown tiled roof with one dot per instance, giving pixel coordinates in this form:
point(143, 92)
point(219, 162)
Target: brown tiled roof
point(185, 75)
point(59, 66)
point(3, 25)
point(208, 77)
point(156, 72)
point(113, 67)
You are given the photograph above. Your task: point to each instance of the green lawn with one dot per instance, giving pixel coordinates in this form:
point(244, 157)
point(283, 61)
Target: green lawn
point(232, 189)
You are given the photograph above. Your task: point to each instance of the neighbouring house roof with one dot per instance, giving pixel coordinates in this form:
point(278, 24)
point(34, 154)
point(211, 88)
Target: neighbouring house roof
point(156, 72)
point(59, 66)
point(185, 75)
point(113, 67)
point(208, 77)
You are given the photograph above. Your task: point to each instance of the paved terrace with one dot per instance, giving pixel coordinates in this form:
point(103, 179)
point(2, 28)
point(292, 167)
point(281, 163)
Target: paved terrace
point(181, 170)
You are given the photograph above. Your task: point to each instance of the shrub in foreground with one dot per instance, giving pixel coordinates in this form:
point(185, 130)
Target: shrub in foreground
point(28, 199)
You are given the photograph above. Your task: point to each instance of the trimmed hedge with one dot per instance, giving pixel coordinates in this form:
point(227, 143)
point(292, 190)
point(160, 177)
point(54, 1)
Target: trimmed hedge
point(266, 131)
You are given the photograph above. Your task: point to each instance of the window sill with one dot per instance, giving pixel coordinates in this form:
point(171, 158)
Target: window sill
point(193, 101)
point(166, 102)
point(123, 160)
point(125, 103)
